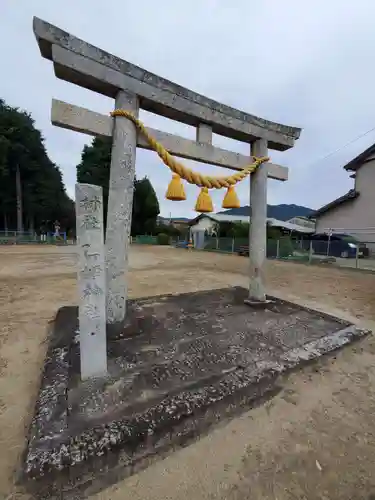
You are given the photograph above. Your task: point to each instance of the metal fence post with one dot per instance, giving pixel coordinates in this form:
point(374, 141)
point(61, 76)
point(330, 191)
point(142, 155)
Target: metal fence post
point(329, 242)
point(277, 249)
point(310, 252)
point(217, 243)
point(232, 245)
point(356, 256)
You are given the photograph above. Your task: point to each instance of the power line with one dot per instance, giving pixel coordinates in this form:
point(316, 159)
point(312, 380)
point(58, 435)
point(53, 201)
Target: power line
point(340, 148)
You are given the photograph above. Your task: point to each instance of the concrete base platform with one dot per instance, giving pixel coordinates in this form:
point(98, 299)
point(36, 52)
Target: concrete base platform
point(180, 364)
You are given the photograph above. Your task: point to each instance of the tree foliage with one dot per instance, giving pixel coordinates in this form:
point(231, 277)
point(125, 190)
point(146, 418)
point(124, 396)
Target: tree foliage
point(234, 229)
point(94, 168)
point(241, 230)
point(170, 230)
point(44, 199)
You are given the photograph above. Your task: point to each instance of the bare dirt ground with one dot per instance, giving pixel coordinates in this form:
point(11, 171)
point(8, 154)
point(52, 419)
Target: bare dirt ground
point(315, 440)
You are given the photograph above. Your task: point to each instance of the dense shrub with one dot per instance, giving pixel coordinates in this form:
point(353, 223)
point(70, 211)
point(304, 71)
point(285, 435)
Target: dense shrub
point(168, 229)
point(163, 239)
point(286, 247)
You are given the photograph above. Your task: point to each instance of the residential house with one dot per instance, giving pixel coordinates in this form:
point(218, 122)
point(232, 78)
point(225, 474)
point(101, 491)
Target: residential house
point(303, 221)
point(354, 212)
point(180, 223)
point(209, 223)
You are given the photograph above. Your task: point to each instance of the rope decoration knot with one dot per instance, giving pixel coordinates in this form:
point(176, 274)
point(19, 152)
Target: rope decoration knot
point(175, 190)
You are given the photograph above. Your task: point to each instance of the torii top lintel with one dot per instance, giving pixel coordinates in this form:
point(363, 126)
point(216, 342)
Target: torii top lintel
point(83, 64)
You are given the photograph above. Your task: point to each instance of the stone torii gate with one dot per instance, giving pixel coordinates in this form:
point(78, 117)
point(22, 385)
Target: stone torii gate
point(132, 88)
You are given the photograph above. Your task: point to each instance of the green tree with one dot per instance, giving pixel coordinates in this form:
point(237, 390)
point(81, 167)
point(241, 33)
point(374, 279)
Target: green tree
point(241, 230)
point(274, 233)
point(94, 168)
point(234, 229)
point(145, 207)
point(31, 187)
point(169, 229)
point(226, 229)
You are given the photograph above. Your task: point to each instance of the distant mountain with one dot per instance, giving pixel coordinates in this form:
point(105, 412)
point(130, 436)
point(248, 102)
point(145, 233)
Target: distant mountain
point(280, 212)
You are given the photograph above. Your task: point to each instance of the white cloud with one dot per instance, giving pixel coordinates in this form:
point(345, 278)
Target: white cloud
point(299, 63)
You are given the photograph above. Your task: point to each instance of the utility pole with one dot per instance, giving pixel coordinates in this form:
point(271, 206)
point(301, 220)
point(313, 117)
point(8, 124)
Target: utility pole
point(19, 200)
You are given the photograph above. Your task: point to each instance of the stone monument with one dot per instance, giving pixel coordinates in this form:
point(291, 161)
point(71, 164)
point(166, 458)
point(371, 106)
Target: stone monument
point(91, 280)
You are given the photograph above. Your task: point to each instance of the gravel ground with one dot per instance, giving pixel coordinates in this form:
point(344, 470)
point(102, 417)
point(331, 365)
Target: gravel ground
point(315, 440)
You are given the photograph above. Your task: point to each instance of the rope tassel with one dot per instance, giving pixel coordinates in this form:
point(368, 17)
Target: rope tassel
point(175, 191)
point(231, 199)
point(204, 202)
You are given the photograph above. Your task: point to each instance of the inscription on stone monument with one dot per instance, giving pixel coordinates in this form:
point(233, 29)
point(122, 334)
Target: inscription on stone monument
point(91, 280)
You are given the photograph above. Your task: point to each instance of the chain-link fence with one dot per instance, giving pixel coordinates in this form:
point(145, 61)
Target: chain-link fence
point(144, 240)
point(225, 245)
point(281, 248)
point(337, 250)
point(30, 237)
point(343, 251)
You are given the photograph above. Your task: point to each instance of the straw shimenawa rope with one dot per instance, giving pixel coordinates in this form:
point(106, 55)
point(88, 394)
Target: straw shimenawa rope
point(189, 175)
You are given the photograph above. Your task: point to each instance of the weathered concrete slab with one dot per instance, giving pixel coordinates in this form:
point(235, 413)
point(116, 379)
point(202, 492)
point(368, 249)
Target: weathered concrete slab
point(81, 63)
point(83, 120)
point(181, 364)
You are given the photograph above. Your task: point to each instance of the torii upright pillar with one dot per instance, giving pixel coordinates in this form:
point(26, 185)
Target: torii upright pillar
point(258, 225)
point(120, 205)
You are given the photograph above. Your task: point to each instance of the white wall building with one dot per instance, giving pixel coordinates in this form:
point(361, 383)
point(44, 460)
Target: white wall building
point(209, 223)
point(354, 212)
point(303, 221)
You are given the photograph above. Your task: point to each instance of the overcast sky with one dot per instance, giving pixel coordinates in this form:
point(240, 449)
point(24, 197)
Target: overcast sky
point(303, 63)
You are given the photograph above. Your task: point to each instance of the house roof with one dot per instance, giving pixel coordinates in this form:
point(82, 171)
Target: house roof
point(289, 226)
point(246, 219)
point(350, 195)
point(359, 160)
point(352, 166)
point(179, 220)
point(222, 218)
